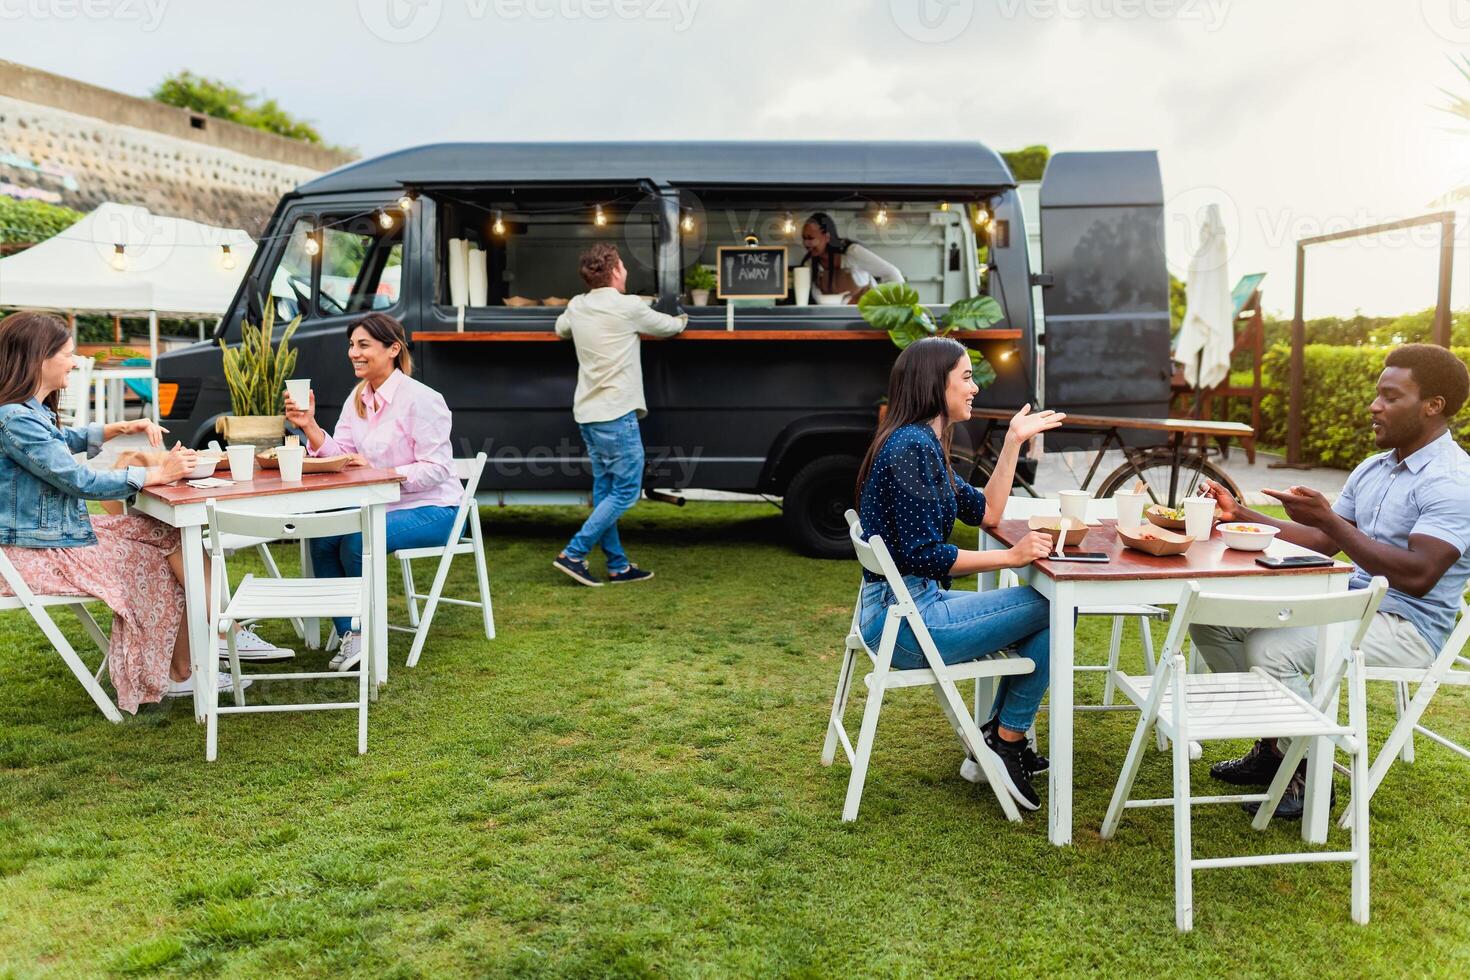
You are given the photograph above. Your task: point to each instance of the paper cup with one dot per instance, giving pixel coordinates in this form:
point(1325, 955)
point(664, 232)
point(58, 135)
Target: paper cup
point(300, 391)
point(1199, 517)
point(289, 459)
point(1074, 504)
point(1130, 507)
point(242, 462)
point(801, 285)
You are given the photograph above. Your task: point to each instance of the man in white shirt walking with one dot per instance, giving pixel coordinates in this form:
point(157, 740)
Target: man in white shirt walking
point(606, 324)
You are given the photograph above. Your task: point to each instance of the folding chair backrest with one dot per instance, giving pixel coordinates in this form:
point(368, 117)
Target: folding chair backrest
point(873, 555)
point(468, 470)
point(273, 526)
point(76, 398)
point(1278, 612)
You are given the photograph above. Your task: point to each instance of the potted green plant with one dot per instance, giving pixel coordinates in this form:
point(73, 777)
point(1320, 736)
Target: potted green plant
point(699, 280)
point(895, 307)
point(256, 373)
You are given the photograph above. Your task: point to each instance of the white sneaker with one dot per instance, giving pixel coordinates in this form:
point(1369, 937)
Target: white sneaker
point(970, 770)
point(252, 648)
point(349, 653)
point(185, 687)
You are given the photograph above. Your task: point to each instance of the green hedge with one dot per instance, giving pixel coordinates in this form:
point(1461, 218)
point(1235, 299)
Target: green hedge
point(1339, 386)
point(29, 222)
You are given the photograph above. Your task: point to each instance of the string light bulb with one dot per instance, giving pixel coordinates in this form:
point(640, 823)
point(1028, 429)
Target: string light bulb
point(313, 247)
point(405, 203)
point(882, 216)
point(982, 217)
point(385, 220)
point(687, 222)
point(226, 260)
point(119, 260)
point(944, 205)
point(788, 224)
point(499, 226)
point(599, 219)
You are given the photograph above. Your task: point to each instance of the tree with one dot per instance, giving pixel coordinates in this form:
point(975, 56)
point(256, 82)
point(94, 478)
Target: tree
point(223, 101)
point(1028, 164)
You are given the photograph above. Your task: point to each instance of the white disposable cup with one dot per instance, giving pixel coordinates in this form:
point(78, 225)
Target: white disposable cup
point(1130, 507)
point(1199, 517)
point(289, 459)
point(801, 285)
point(242, 462)
point(300, 391)
point(1074, 504)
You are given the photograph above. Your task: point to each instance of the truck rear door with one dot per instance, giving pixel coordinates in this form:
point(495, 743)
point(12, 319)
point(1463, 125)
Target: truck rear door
point(1106, 295)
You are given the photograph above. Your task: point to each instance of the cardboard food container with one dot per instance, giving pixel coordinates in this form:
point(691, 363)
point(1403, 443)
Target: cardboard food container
point(1053, 525)
point(312, 464)
point(1158, 516)
point(1155, 540)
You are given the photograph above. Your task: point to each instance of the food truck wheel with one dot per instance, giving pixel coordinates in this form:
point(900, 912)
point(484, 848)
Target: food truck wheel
point(816, 499)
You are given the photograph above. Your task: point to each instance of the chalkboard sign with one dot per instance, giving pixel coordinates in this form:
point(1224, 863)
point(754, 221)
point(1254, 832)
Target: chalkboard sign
point(751, 272)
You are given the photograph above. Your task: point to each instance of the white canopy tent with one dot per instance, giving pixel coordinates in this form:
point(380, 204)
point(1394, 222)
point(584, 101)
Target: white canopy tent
point(122, 259)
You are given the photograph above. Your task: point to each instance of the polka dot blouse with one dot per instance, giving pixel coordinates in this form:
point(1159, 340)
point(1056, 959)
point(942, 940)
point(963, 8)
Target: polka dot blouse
point(909, 502)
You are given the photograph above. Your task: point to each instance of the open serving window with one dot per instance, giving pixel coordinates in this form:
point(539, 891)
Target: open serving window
point(510, 255)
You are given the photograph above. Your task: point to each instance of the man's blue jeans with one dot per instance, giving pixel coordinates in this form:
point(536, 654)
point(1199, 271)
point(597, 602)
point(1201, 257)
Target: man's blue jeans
point(413, 527)
point(616, 451)
point(967, 626)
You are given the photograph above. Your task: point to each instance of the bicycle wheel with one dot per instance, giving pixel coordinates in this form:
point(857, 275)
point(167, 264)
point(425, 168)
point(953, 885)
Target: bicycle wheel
point(1154, 466)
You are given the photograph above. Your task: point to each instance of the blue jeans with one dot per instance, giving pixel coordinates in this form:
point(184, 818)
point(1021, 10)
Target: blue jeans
point(967, 626)
point(616, 451)
point(340, 556)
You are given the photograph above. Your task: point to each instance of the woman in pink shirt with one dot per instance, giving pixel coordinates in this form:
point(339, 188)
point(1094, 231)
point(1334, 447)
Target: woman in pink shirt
point(390, 421)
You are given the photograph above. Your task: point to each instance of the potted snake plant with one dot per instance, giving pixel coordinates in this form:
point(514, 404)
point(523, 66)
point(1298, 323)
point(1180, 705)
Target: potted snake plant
point(256, 373)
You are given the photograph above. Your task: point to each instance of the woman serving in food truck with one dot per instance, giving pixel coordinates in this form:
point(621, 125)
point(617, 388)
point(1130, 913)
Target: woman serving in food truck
point(840, 266)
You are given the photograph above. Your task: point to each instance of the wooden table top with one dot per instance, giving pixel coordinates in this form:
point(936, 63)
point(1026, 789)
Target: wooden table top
point(1204, 559)
point(269, 483)
point(1206, 426)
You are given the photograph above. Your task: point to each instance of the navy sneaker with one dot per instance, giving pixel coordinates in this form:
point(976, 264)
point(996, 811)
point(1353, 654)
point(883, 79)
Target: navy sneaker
point(630, 574)
point(578, 570)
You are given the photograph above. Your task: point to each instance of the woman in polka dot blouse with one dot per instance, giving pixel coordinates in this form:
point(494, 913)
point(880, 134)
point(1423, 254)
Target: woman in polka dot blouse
point(909, 496)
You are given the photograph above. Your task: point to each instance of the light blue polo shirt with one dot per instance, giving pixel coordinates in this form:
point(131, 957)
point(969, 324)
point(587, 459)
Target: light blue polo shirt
point(1427, 493)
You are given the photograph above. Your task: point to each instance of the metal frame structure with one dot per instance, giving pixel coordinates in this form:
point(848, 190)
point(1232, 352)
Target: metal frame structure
point(1446, 222)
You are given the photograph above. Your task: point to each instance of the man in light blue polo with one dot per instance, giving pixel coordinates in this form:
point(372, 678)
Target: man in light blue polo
point(1404, 514)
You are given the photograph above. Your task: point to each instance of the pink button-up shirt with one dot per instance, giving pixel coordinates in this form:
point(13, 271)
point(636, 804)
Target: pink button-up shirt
point(406, 429)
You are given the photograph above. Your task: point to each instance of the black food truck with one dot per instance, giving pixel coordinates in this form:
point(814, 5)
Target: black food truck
point(474, 247)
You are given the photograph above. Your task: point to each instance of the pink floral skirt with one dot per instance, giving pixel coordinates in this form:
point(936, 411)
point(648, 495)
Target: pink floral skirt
point(127, 569)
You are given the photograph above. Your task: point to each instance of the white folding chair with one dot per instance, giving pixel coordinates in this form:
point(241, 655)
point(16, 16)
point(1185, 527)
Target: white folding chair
point(231, 544)
point(1450, 667)
point(1024, 508)
point(74, 402)
point(285, 598)
point(1193, 708)
point(940, 677)
point(473, 543)
point(37, 605)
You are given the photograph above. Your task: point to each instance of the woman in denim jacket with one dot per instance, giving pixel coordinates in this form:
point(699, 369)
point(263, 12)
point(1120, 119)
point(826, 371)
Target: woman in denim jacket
point(131, 562)
point(909, 496)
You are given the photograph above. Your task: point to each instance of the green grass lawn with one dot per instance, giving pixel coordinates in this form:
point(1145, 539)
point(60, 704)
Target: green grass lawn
point(627, 782)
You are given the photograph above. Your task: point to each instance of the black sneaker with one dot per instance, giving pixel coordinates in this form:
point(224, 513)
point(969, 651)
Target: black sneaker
point(1038, 764)
point(1013, 770)
point(630, 574)
point(577, 570)
point(1256, 768)
point(1294, 800)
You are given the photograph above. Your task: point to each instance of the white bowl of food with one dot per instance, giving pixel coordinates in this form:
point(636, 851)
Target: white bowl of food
point(203, 467)
point(1244, 536)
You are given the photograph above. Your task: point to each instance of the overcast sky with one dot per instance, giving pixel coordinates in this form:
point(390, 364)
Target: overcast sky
point(1296, 117)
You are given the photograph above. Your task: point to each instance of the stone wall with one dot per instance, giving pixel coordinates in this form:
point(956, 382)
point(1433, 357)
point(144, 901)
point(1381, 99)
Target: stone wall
point(75, 144)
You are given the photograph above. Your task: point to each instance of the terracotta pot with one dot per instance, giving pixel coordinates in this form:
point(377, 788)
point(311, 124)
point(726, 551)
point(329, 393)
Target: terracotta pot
point(261, 431)
point(882, 412)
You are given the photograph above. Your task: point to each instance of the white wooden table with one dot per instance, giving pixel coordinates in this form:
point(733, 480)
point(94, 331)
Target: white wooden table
point(1134, 577)
point(183, 507)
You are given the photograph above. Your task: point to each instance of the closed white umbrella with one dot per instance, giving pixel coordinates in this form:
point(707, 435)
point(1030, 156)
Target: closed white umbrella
point(1207, 337)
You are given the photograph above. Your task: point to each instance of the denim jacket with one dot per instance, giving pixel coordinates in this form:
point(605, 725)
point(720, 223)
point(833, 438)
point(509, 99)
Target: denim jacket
point(43, 489)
